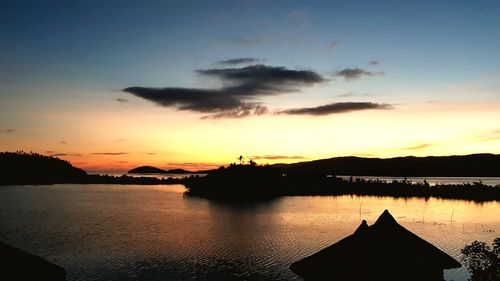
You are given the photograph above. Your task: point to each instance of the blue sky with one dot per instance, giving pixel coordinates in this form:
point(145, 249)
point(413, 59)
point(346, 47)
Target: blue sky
point(161, 42)
point(77, 56)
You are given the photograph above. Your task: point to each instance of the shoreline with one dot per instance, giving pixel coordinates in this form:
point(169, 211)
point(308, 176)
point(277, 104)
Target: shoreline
point(242, 189)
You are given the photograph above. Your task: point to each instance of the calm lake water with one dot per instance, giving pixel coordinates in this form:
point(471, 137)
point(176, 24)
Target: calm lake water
point(113, 232)
point(435, 180)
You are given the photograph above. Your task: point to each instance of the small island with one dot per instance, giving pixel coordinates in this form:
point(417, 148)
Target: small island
point(147, 170)
point(154, 170)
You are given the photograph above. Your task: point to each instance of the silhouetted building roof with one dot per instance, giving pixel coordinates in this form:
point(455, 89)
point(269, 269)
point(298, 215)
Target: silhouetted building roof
point(19, 265)
point(382, 251)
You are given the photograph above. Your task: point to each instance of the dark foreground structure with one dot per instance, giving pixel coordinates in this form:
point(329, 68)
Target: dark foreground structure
point(382, 251)
point(19, 265)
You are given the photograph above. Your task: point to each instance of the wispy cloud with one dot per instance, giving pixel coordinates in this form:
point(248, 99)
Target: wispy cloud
point(237, 61)
point(57, 154)
point(246, 40)
point(335, 108)
point(352, 94)
point(7, 130)
point(276, 157)
point(419, 146)
point(66, 154)
point(491, 135)
point(356, 73)
point(121, 100)
point(242, 111)
point(63, 142)
point(374, 62)
point(237, 99)
point(110, 153)
point(332, 45)
point(298, 18)
point(192, 166)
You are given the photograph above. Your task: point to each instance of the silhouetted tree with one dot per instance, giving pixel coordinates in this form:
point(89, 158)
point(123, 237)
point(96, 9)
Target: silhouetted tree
point(483, 262)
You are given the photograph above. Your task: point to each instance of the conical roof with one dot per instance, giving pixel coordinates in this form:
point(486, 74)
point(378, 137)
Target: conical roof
point(383, 246)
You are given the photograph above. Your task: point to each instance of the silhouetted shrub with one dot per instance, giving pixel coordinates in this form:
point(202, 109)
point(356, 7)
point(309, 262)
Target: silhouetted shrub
point(482, 260)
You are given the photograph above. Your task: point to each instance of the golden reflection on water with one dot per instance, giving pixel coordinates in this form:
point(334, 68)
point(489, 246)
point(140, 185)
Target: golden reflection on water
point(116, 232)
point(432, 210)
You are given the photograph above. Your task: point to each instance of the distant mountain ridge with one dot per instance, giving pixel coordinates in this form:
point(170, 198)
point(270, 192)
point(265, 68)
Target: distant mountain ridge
point(473, 165)
point(32, 168)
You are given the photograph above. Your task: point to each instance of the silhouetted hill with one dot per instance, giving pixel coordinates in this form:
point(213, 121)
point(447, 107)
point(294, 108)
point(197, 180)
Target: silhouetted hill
point(474, 165)
point(32, 168)
point(147, 170)
point(154, 170)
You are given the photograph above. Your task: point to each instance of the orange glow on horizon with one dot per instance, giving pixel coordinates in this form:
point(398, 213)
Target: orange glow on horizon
point(154, 137)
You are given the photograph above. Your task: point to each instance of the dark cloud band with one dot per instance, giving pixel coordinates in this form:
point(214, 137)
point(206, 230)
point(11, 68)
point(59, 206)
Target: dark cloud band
point(335, 108)
point(264, 75)
point(237, 99)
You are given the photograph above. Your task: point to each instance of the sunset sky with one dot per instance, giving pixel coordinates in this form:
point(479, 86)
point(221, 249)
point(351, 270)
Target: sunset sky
point(111, 85)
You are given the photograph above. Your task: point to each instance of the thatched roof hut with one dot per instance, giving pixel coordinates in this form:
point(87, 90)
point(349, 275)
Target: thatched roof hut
point(382, 251)
point(19, 265)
